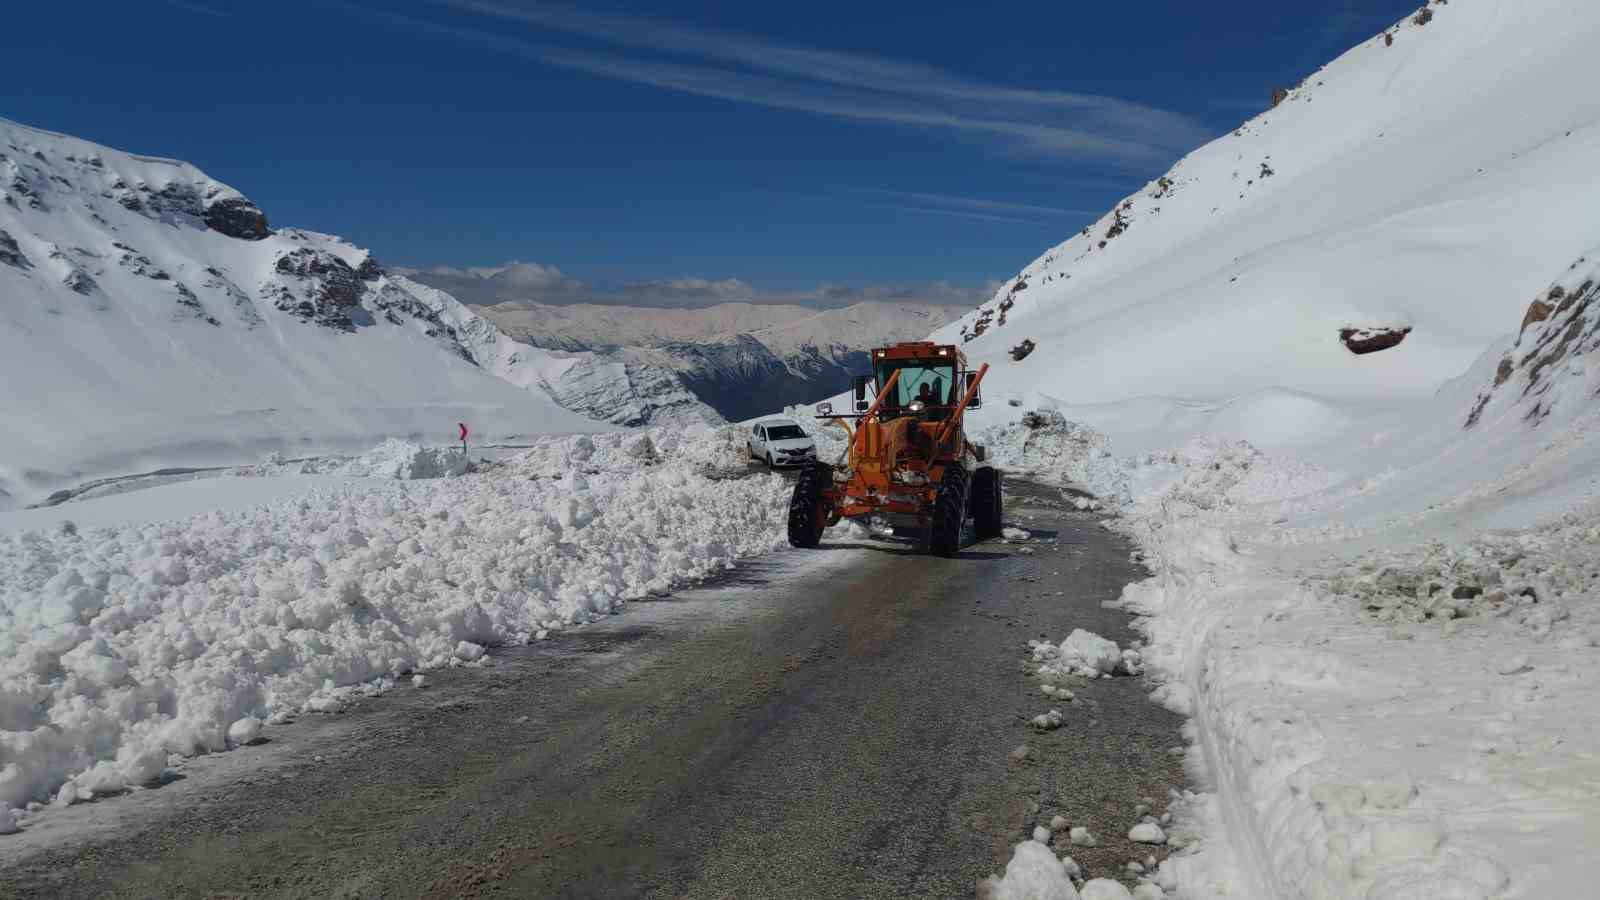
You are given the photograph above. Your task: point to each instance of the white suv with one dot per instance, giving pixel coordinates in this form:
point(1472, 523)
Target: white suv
point(780, 442)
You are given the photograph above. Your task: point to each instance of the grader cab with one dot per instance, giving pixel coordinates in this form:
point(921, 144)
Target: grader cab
point(908, 457)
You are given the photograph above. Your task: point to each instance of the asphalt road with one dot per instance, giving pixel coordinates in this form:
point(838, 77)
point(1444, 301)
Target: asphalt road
point(833, 723)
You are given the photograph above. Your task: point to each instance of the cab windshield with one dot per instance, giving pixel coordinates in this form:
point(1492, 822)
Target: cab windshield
point(784, 432)
point(933, 384)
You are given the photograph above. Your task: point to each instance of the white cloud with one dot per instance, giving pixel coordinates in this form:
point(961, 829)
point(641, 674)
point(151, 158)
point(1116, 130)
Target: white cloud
point(520, 282)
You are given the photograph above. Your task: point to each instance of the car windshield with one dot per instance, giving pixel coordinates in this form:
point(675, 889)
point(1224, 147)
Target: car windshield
point(919, 381)
point(784, 432)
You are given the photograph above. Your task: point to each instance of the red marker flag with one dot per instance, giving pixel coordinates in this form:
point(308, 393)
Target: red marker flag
point(463, 426)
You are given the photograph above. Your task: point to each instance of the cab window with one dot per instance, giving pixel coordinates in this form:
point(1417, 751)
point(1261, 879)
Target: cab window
point(934, 385)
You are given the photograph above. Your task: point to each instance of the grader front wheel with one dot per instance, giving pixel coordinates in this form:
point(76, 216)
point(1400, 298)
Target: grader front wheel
point(808, 509)
point(949, 513)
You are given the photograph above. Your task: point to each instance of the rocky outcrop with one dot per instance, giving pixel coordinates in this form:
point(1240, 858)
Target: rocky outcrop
point(1560, 327)
point(10, 252)
point(329, 288)
point(1362, 341)
point(237, 217)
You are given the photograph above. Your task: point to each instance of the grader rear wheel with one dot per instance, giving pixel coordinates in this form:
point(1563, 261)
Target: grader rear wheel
point(987, 503)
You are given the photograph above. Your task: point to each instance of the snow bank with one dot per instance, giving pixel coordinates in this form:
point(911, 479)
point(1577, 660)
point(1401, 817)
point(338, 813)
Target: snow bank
point(122, 646)
point(1409, 722)
point(1044, 445)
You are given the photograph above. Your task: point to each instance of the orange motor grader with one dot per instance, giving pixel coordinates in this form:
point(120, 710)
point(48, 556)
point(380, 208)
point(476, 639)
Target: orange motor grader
point(908, 455)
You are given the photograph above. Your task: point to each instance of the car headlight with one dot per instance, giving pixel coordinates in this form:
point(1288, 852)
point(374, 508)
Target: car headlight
point(917, 406)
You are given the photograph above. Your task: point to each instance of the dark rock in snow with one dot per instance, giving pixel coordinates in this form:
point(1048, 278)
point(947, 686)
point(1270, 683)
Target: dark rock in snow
point(177, 198)
point(1021, 351)
point(334, 290)
point(1361, 341)
point(237, 217)
point(369, 270)
point(1279, 95)
point(10, 253)
point(79, 281)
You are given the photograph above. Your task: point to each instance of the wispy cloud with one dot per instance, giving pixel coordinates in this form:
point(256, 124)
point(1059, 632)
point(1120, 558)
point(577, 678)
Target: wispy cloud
point(202, 9)
point(750, 70)
point(955, 203)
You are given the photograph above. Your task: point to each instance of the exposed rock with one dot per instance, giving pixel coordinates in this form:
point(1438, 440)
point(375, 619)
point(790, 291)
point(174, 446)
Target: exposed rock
point(1537, 312)
point(1361, 341)
point(1423, 16)
point(1279, 95)
point(237, 217)
point(79, 281)
point(369, 270)
point(1504, 371)
point(1021, 351)
point(333, 288)
point(177, 198)
point(139, 264)
point(243, 306)
point(192, 305)
point(10, 252)
point(1558, 328)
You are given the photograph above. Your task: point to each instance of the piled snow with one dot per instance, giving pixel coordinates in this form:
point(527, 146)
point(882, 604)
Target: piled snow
point(1033, 873)
point(1045, 446)
point(394, 458)
point(122, 646)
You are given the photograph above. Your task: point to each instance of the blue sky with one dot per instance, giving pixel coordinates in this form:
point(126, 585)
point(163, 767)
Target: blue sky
point(778, 147)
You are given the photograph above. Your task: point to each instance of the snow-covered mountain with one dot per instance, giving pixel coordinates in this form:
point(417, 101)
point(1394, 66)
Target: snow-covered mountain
point(1433, 178)
point(153, 317)
point(1383, 628)
point(742, 359)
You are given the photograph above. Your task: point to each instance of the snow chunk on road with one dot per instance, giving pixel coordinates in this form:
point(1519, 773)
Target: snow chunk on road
point(1084, 654)
point(1104, 889)
point(1081, 837)
point(1033, 873)
point(1011, 533)
point(8, 820)
point(244, 731)
point(1147, 833)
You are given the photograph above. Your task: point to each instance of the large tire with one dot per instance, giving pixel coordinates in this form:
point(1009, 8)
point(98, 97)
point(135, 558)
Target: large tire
point(808, 511)
point(949, 513)
point(986, 503)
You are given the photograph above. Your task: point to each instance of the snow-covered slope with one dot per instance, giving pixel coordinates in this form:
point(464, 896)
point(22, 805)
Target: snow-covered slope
point(743, 359)
point(1433, 177)
point(782, 327)
point(622, 391)
point(1384, 628)
point(152, 317)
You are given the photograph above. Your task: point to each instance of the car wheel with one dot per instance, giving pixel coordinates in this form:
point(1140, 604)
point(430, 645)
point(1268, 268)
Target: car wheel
point(770, 463)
